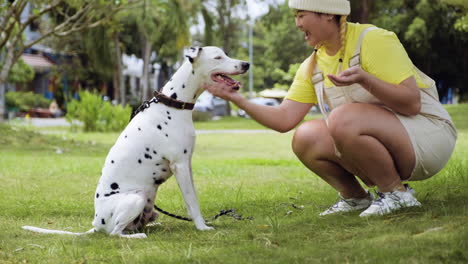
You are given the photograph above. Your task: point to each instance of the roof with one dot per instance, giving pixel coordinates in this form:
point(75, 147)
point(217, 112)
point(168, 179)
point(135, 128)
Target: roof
point(37, 62)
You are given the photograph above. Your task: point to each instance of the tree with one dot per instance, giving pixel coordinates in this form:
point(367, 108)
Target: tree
point(224, 27)
point(75, 16)
point(158, 20)
point(281, 45)
point(432, 33)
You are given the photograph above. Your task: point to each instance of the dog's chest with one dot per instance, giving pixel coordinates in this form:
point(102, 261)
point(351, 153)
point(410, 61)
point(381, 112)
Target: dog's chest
point(142, 155)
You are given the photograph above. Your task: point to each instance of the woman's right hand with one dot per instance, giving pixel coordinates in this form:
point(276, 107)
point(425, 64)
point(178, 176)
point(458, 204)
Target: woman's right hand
point(223, 91)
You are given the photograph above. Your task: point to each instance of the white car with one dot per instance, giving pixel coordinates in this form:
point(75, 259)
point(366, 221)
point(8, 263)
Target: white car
point(207, 102)
point(260, 101)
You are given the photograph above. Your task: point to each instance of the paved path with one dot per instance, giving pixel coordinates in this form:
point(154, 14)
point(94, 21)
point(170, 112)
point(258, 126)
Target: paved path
point(58, 122)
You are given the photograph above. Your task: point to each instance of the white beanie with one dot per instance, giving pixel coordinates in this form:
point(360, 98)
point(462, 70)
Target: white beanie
point(333, 7)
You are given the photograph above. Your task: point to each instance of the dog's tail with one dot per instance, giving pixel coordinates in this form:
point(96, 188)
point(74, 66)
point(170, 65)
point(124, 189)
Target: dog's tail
point(50, 231)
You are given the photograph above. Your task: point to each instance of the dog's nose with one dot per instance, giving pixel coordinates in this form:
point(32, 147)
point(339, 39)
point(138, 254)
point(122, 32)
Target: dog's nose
point(245, 66)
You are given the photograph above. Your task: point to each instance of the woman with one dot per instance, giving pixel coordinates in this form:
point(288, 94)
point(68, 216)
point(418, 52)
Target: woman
point(382, 122)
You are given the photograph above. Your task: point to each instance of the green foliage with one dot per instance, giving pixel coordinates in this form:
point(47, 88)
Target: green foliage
point(96, 114)
point(25, 101)
point(21, 72)
point(277, 45)
point(417, 34)
point(283, 79)
point(113, 117)
point(432, 32)
point(462, 24)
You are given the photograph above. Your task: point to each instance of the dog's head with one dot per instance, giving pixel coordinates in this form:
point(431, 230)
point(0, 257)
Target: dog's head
point(215, 63)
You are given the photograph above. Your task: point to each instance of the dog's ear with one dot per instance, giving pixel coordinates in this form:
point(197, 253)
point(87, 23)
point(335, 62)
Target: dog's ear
point(192, 53)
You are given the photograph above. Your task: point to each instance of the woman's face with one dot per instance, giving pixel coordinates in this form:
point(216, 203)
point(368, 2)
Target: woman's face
point(315, 26)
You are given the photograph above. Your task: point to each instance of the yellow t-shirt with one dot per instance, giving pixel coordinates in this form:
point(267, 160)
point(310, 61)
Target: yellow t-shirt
point(382, 55)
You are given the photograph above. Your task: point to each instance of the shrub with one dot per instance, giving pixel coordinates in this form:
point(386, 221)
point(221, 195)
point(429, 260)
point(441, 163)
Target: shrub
point(25, 101)
point(96, 114)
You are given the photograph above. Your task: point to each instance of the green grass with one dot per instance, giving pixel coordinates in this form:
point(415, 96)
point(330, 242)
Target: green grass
point(255, 173)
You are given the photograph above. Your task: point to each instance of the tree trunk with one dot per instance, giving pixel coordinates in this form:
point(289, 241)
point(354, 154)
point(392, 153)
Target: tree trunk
point(4, 70)
point(118, 71)
point(365, 10)
point(144, 80)
point(2, 101)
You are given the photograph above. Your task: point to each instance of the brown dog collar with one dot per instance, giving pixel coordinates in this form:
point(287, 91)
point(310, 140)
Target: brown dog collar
point(172, 102)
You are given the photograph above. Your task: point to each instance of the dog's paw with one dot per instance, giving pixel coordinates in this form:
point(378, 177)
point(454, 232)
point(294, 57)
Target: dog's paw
point(137, 235)
point(205, 228)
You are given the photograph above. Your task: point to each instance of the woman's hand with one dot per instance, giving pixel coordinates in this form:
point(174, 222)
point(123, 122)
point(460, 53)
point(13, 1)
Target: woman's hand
point(349, 76)
point(223, 91)
point(403, 98)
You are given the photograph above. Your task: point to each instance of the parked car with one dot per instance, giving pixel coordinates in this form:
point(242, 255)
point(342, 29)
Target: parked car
point(260, 101)
point(207, 102)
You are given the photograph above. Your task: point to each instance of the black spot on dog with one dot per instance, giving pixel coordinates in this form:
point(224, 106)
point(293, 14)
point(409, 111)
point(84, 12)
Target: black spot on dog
point(103, 221)
point(147, 149)
point(169, 117)
point(183, 86)
point(95, 215)
point(168, 112)
point(185, 151)
point(125, 136)
point(112, 161)
point(154, 173)
point(157, 164)
point(112, 214)
point(172, 88)
point(165, 122)
point(148, 200)
point(159, 127)
point(193, 72)
point(110, 194)
point(147, 156)
point(164, 170)
point(158, 181)
point(154, 152)
point(114, 186)
point(117, 222)
point(167, 135)
point(139, 161)
point(174, 96)
point(97, 195)
point(139, 129)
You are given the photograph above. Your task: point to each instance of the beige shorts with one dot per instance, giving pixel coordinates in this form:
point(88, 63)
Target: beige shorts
point(433, 142)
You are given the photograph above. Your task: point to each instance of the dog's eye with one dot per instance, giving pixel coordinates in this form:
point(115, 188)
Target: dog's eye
point(218, 57)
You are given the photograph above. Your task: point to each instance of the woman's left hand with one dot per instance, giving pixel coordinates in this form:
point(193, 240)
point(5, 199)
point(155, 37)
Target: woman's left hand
point(349, 76)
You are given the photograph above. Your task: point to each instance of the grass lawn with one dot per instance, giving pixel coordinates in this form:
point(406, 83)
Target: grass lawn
point(49, 181)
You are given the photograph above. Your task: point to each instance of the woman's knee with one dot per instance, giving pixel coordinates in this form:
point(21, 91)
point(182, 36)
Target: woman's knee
point(343, 122)
point(307, 136)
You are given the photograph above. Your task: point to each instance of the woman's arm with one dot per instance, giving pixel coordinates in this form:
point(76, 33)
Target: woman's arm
point(403, 98)
point(281, 118)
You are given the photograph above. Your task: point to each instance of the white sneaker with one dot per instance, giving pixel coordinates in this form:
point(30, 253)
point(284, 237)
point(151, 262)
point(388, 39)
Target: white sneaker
point(391, 201)
point(348, 205)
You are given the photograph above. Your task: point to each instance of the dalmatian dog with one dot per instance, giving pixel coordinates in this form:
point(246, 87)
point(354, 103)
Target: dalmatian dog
point(157, 143)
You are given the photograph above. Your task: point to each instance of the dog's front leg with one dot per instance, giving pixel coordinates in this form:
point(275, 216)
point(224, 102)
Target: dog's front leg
point(183, 174)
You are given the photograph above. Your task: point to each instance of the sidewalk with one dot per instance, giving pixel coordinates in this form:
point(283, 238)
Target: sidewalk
point(61, 122)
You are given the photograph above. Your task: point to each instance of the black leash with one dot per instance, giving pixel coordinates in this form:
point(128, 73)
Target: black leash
point(171, 215)
point(229, 212)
